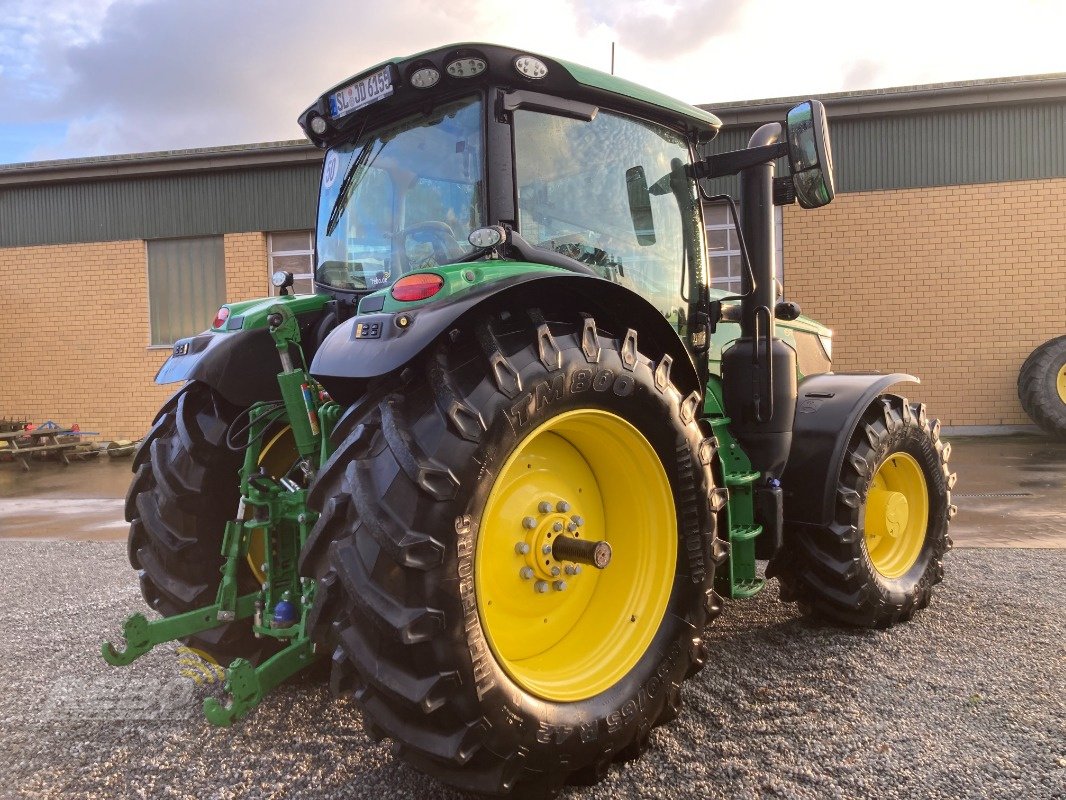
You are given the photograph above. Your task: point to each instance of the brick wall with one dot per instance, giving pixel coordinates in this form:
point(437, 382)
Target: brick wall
point(247, 275)
point(955, 285)
point(77, 349)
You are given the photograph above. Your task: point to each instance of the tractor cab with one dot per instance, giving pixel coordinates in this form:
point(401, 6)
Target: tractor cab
point(590, 171)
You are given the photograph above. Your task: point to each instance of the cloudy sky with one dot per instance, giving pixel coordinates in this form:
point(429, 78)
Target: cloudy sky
point(97, 77)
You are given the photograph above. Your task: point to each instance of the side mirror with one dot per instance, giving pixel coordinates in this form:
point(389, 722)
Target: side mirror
point(640, 206)
point(810, 155)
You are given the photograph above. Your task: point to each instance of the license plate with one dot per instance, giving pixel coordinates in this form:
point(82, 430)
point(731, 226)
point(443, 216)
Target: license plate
point(361, 93)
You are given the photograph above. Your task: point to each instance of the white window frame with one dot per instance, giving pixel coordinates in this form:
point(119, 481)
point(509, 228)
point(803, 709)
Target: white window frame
point(309, 252)
point(733, 285)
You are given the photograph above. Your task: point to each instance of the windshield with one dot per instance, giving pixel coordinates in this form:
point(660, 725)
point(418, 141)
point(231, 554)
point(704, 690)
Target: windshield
point(401, 198)
point(612, 193)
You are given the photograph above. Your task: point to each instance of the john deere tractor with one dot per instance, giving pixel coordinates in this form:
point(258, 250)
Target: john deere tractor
point(499, 473)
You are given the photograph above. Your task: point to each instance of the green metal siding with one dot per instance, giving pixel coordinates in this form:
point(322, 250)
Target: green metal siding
point(945, 148)
point(159, 206)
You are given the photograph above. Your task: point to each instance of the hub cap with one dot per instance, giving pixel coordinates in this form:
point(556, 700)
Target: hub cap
point(897, 515)
point(1060, 383)
point(566, 630)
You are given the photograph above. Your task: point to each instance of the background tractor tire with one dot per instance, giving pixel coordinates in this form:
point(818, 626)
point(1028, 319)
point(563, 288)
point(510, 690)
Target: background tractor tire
point(877, 563)
point(1042, 386)
point(415, 518)
point(185, 488)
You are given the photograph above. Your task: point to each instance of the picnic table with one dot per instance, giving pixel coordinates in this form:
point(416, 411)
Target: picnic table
point(42, 440)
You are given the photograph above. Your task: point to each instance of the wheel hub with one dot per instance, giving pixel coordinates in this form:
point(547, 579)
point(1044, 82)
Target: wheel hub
point(896, 515)
point(550, 546)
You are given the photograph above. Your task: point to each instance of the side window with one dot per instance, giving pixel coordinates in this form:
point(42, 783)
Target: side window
point(723, 247)
point(186, 285)
point(291, 251)
point(600, 192)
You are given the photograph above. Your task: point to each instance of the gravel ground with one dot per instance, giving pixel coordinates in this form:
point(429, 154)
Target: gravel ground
point(969, 700)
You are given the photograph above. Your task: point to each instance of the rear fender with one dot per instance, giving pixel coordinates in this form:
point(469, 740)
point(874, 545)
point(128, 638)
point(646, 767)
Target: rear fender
point(828, 409)
point(241, 365)
point(371, 345)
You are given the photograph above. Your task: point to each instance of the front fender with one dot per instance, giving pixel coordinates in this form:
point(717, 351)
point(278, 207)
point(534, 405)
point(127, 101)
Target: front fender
point(371, 345)
point(828, 409)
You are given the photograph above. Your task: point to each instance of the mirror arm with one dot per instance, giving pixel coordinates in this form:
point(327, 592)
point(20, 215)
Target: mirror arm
point(722, 164)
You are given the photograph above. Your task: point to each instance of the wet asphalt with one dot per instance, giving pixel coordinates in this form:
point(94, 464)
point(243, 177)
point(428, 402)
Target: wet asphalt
point(1011, 492)
point(968, 700)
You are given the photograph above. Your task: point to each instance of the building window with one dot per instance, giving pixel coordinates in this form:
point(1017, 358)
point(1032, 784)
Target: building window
point(723, 247)
point(186, 285)
point(291, 251)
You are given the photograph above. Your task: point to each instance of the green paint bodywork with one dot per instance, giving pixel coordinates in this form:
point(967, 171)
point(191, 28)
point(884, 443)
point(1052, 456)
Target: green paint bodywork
point(461, 278)
point(254, 313)
point(703, 120)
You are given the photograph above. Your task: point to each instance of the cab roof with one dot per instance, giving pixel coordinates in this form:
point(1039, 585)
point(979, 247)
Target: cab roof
point(397, 96)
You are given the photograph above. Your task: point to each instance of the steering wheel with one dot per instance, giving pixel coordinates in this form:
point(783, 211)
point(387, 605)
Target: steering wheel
point(446, 248)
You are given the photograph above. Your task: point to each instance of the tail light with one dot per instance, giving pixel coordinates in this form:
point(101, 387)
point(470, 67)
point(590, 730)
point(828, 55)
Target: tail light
point(417, 287)
point(220, 318)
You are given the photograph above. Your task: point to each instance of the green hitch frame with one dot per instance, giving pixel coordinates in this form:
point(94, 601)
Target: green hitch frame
point(273, 507)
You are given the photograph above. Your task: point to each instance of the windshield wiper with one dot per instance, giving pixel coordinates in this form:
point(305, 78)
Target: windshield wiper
point(348, 185)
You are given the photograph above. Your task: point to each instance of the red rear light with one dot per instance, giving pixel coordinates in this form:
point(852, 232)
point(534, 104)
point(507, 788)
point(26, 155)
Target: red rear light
point(417, 287)
point(220, 318)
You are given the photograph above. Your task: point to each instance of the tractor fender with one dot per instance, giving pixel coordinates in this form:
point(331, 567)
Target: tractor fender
point(241, 365)
point(348, 357)
point(828, 409)
point(231, 363)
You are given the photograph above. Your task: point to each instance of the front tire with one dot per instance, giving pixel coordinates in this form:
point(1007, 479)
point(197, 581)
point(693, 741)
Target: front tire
point(878, 561)
point(1042, 386)
point(486, 679)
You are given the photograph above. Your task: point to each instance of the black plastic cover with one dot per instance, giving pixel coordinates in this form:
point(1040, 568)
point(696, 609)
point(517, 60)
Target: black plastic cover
point(345, 360)
point(827, 410)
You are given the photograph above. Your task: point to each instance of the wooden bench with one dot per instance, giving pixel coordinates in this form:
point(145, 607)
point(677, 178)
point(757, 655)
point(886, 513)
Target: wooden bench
point(50, 445)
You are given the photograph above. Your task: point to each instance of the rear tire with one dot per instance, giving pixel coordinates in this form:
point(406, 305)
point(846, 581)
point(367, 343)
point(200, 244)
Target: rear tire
point(876, 564)
point(409, 533)
point(185, 489)
point(1042, 386)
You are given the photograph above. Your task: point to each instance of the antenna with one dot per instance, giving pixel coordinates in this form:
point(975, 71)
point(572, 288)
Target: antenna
point(612, 58)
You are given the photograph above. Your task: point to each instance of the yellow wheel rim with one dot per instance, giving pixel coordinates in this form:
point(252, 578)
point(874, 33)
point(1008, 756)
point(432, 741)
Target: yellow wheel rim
point(1060, 383)
point(590, 475)
point(896, 515)
point(277, 456)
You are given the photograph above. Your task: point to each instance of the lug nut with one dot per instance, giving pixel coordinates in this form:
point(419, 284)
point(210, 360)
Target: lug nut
point(577, 519)
point(546, 549)
point(529, 523)
point(571, 526)
point(557, 527)
point(562, 506)
point(555, 572)
point(541, 587)
point(545, 507)
point(521, 548)
point(559, 586)
point(572, 569)
point(525, 573)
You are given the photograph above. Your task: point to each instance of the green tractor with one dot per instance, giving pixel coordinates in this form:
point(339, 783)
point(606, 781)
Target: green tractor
point(499, 473)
